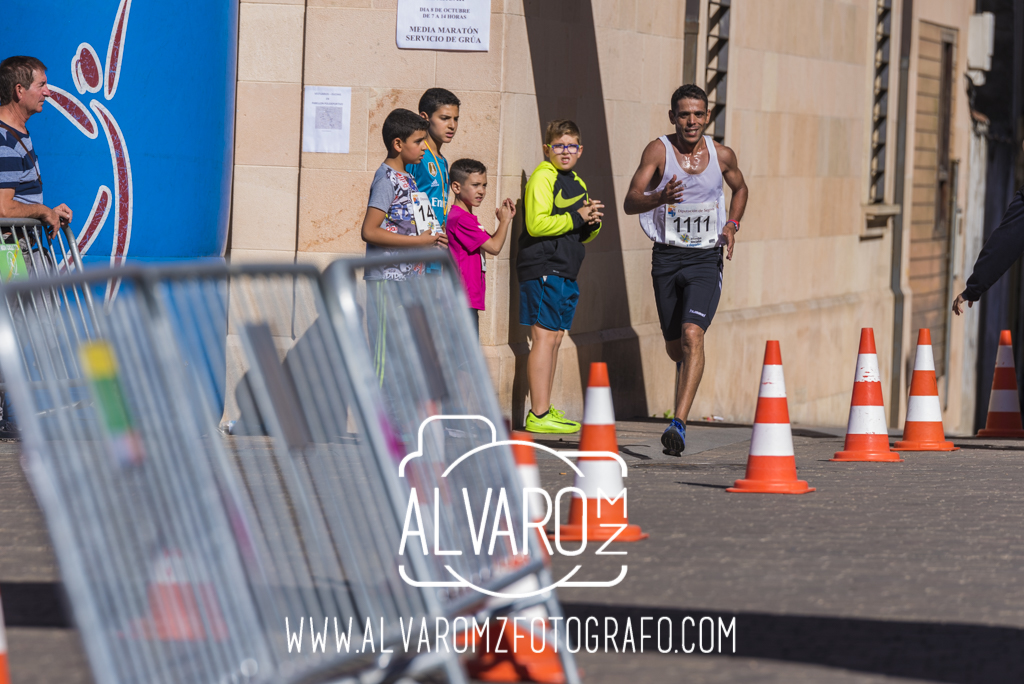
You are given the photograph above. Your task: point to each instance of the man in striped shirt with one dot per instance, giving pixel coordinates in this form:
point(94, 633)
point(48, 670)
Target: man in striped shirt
point(23, 92)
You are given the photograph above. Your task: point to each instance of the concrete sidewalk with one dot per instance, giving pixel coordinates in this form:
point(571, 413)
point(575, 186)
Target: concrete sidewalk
point(888, 572)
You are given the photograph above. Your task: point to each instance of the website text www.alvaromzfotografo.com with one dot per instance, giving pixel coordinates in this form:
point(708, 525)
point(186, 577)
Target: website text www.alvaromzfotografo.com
point(464, 634)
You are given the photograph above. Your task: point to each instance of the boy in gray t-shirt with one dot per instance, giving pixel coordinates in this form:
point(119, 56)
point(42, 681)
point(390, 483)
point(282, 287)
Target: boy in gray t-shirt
point(389, 225)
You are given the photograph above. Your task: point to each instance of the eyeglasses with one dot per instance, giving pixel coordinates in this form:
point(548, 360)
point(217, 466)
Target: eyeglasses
point(560, 148)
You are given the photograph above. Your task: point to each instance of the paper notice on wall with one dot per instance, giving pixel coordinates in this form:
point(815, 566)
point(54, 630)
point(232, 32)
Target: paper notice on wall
point(326, 119)
point(444, 25)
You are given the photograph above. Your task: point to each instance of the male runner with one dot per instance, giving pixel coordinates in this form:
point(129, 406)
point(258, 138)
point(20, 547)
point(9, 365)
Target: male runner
point(677, 190)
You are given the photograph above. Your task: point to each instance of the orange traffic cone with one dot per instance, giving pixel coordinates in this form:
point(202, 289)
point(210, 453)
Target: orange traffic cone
point(5, 674)
point(771, 465)
point(182, 608)
point(529, 476)
point(509, 659)
point(1003, 405)
point(867, 436)
point(922, 430)
point(506, 658)
point(602, 475)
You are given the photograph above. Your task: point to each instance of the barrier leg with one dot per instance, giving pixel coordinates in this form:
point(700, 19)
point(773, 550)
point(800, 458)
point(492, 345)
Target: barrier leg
point(554, 608)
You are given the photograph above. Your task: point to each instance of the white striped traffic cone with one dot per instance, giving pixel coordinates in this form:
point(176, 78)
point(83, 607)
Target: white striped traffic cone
point(529, 474)
point(867, 435)
point(1003, 404)
point(602, 475)
point(183, 605)
point(508, 659)
point(771, 466)
point(922, 430)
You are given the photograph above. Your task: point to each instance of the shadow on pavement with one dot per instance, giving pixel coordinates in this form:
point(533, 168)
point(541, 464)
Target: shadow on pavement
point(941, 652)
point(34, 604)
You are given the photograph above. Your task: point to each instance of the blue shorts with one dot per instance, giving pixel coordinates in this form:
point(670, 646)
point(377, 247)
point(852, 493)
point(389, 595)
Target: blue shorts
point(548, 301)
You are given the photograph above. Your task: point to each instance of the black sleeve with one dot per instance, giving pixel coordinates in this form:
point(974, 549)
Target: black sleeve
point(577, 221)
point(1001, 249)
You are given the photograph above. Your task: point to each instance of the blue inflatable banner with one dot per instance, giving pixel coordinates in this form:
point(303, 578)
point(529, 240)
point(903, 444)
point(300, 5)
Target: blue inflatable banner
point(138, 137)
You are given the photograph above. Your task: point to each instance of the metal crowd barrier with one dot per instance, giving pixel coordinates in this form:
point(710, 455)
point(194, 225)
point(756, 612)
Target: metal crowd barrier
point(183, 550)
point(44, 254)
point(428, 364)
point(41, 255)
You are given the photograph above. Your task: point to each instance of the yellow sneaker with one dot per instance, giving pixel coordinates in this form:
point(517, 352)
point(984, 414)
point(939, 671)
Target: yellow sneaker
point(550, 424)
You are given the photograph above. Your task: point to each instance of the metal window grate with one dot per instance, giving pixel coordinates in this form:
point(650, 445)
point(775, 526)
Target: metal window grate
point(716, 71)
point(880, 102)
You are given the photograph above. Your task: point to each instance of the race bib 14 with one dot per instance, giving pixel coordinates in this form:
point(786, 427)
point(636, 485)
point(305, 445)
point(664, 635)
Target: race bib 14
point(423, 215)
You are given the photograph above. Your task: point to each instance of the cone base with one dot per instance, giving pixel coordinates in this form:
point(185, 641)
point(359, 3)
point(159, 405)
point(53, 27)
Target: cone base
point(1001, 434)
point(873, 456)
point(511, 671)
point(631, 533)
point(500, 660)
point(925, 446)
point(768, 487)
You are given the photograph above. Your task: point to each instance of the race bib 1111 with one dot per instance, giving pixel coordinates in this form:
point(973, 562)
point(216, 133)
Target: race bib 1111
point(692, 225)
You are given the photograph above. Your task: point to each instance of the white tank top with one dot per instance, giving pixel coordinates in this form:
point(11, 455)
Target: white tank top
point(703, 198)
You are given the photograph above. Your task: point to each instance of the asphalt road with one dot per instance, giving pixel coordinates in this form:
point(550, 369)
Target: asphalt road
point(888, 572)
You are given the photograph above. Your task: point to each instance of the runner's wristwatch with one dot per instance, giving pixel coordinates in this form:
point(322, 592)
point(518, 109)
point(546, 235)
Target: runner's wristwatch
point(736, 223)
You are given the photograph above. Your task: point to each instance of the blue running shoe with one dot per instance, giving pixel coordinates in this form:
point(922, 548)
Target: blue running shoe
point(674, 438)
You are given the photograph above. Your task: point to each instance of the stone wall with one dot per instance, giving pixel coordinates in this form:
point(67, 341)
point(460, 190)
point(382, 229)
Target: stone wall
point(800, 94)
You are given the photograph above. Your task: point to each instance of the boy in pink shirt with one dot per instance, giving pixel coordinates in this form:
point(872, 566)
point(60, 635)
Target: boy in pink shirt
point(467, 240)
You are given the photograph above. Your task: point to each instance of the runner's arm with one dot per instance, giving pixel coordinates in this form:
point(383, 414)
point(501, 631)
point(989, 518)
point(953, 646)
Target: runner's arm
point(734, 178)
point(637, 199)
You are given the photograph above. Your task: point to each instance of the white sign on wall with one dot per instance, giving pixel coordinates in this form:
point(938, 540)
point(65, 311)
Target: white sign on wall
point(326, 119)
point(444, 25)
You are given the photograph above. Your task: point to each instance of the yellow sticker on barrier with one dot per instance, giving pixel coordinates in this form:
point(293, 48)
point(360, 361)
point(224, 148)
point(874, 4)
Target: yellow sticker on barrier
point(12, 263)
point(99, 366)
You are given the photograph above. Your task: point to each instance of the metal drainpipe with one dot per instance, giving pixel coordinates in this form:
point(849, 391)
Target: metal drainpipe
point(896, 273)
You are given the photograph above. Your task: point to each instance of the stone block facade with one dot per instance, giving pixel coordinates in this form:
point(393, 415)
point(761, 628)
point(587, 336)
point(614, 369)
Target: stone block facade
point(799, 116)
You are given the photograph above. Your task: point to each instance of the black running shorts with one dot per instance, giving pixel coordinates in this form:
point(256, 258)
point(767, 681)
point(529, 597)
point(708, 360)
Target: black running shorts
point(687, 287)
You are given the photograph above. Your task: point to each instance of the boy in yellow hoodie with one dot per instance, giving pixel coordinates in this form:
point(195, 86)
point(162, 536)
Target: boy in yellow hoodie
point(560, 219)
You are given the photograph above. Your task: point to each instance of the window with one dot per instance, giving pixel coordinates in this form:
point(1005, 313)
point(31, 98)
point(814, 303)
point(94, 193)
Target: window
point(717, 61)
point(880, 104)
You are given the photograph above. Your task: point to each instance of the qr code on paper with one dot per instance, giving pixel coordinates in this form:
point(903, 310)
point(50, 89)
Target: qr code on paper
point(330, 118)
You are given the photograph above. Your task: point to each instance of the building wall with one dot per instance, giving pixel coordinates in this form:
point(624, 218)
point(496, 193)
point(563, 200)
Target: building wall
point(799, 98)
point(951, 14)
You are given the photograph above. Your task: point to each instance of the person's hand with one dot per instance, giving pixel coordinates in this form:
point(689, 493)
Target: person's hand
point(591, 211)
point(958, 304)
point(729, 234)
point(429, 239)
point(672, 193)
point(60, 215)
point(505, 211)
point(64, 212)
point(51, 222)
